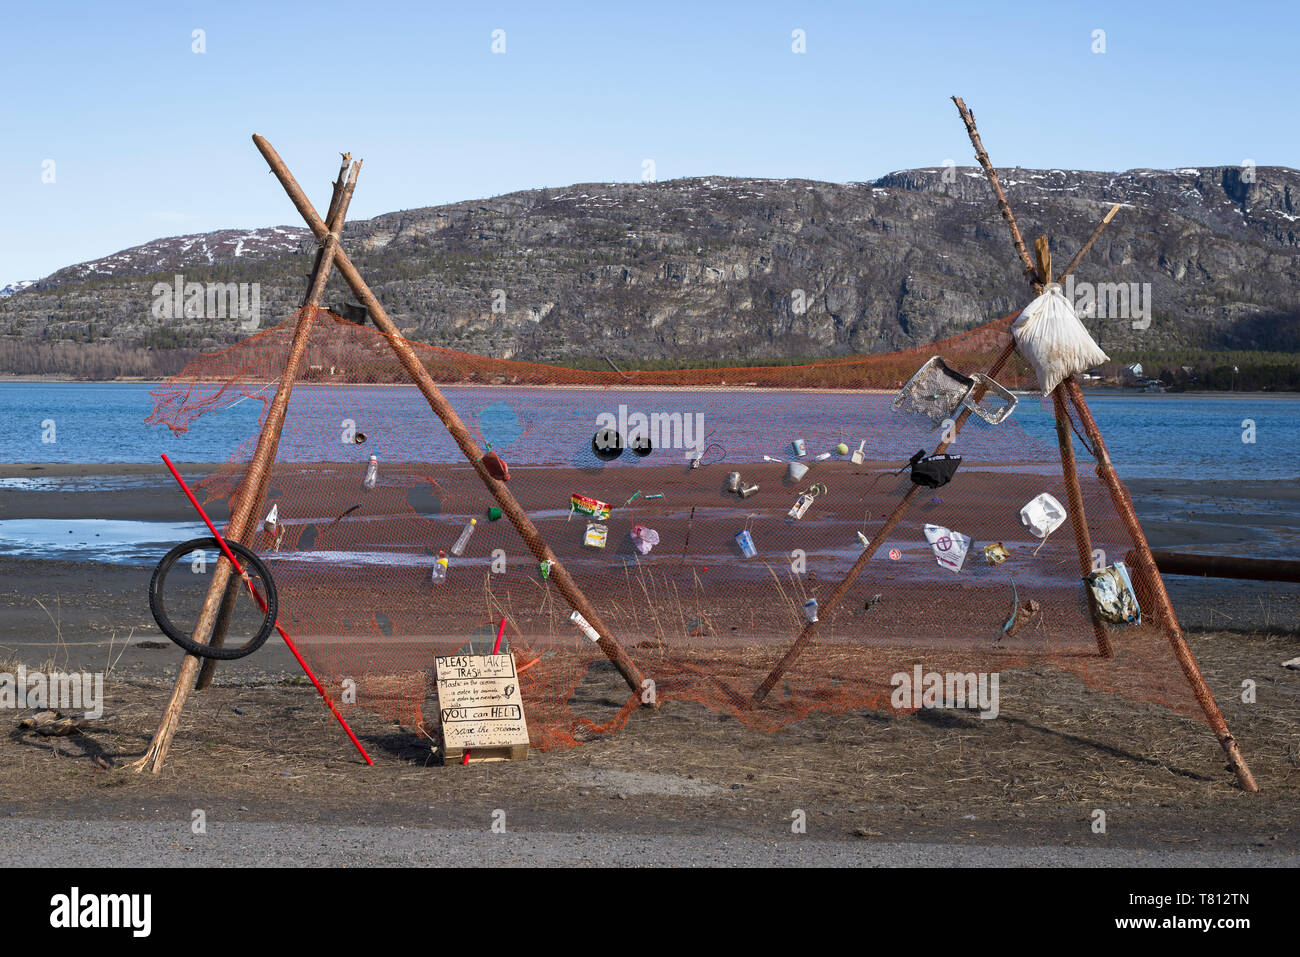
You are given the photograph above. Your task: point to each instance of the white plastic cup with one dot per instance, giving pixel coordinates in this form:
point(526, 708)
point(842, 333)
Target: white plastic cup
point(797, 471)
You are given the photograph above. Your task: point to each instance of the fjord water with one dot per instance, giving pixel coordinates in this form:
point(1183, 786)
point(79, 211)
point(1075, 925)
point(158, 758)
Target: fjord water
point(1187, 437)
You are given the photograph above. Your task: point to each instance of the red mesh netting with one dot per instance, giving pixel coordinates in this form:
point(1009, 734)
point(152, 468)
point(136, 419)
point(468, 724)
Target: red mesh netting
point(705, 623)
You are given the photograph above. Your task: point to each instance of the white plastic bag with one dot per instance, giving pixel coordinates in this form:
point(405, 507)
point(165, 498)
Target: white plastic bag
point(1053, 340)
point(950, 547)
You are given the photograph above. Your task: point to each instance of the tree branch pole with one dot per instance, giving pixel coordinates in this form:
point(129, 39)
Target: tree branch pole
point(968, 118)
point(209, 667)
point(1083, 250)
point(1119, 494)
point(442, 408)
point(266, 442)
point(1164, 609)
point(810, 630)
point(1078, 519)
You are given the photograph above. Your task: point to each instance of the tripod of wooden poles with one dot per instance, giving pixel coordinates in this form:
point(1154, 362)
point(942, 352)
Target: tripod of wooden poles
point(249, 499)
point(1039, 274)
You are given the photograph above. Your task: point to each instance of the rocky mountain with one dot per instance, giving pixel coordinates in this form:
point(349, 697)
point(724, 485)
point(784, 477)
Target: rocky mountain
point(741, 269)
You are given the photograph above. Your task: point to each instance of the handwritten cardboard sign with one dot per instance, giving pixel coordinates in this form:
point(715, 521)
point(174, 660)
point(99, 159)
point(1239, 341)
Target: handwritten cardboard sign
point(479, 704)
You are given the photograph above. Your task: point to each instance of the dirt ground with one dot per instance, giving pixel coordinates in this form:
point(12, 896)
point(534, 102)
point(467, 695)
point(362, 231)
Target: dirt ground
point(260, 746)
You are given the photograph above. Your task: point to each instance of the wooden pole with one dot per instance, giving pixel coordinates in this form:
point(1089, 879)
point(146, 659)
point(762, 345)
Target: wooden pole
point(442, 408)
point(1083, 250)
point(266, 441)
point(810, 630)
point(209, 667)
point(1079, 520)
point(1155, 586)
point(982, 156)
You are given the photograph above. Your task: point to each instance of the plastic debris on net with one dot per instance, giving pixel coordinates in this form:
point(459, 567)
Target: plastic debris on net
point(1113, 595)
point(1043, 515)
point(949, 547)
point(644, 539)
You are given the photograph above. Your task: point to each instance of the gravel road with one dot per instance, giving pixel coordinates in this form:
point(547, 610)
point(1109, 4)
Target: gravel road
point(152, 844)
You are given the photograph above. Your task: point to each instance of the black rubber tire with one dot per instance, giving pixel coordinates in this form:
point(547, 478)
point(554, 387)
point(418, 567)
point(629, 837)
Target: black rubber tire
point(251, 563)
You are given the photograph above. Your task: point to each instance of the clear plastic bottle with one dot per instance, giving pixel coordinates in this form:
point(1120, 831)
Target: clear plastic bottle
point(459, 548)
point(372, 474)
point(439, 573)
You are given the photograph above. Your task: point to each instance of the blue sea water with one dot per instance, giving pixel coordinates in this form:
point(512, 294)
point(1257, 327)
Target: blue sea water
point(1149, 436)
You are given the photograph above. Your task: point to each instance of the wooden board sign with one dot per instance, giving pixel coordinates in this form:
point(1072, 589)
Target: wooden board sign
point(480, 709)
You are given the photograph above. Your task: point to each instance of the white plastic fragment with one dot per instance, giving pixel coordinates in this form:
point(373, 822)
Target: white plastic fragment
point(949, 547)
point(1043, 515)
point(577, 619)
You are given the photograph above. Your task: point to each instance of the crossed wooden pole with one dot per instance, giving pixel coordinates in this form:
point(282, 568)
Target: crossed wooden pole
point(1039, 273)
point(252, 490)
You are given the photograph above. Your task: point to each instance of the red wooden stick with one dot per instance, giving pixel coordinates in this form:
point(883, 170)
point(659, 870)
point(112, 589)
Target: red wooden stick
point(262, 603)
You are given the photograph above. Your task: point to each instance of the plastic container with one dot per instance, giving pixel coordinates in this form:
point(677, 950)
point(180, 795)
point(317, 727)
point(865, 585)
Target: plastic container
point(746, 543)
point(459, 548)
point(372, 474)
point(801, 505)
point(797, 471)
point(810, 609)
point(439, 573)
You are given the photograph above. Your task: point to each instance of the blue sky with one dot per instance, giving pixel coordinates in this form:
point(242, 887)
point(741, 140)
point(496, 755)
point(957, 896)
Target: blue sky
point(151, 139)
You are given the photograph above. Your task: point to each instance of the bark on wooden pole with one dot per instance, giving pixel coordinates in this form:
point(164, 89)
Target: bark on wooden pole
point(1155, 587)
point(209, 667)
point(810, 630)
point(1078, 519)
point(564, 583)
point(266, 443)
point(1083, 250)
point(982, 156)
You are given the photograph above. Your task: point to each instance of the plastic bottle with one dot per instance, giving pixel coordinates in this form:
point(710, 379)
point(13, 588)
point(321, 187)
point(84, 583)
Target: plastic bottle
point(459, 548)
point(439, 573)
point(372, 474)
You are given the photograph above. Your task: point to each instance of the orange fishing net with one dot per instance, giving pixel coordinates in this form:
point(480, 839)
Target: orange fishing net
point(711, 600)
